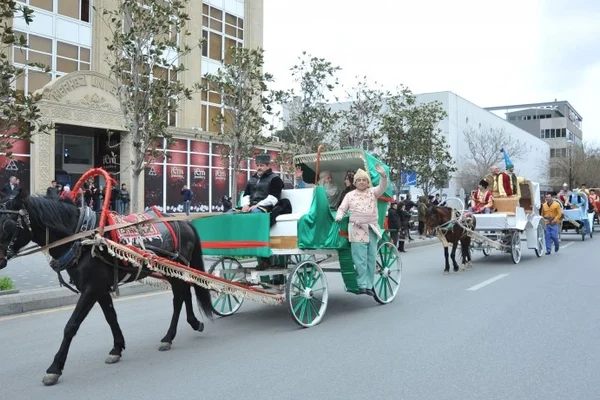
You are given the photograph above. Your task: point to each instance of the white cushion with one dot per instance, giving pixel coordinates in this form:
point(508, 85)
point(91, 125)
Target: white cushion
point(301, 200)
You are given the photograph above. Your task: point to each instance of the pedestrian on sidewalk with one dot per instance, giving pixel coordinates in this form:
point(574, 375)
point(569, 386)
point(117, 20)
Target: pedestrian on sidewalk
point(394, 223)
point(552, 213)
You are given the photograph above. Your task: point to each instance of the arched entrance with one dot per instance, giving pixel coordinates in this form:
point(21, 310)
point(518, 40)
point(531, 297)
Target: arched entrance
point(83, 106)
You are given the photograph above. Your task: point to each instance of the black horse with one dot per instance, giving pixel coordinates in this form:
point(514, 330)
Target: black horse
point(42, 220)
point(450, 230)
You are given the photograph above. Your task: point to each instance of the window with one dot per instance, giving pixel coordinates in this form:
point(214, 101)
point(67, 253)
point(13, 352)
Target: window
point(542, 134)
point(78, 150)
point(552, 133)
point(77, 9)
point(221, 31)
point(68, 58)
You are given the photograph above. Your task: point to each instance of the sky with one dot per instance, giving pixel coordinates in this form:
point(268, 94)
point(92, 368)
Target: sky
point(491, 53)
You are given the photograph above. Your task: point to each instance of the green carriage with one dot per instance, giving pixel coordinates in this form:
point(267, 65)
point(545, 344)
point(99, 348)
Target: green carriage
point(300, 244)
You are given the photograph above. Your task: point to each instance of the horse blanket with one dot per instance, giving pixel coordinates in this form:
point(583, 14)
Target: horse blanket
point(158, 235)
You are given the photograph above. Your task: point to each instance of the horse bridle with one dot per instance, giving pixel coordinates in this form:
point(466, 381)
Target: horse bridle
point(23, 222)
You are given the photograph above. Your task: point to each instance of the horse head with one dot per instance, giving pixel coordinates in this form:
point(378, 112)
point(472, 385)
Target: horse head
point(15, 226)
point(25, 218)
point(437, 216)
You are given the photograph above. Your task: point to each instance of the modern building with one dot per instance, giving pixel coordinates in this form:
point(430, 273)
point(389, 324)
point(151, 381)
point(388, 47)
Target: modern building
point(79, 98)
point(557, 123)
point(464, 116)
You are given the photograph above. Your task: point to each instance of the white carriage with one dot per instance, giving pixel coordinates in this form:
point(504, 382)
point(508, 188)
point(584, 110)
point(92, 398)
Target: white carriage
point(514, 221)
point(578, 217)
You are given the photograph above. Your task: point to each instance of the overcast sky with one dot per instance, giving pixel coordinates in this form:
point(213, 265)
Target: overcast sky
point(490, 52)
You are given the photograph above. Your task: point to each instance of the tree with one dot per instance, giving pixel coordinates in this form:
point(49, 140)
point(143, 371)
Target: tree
point(242, 86)
point(576, 166)
point(20, 117)
point(410, 140)
point(144, 58)
point(484, 151)
point(359, 124)
point(310, 120)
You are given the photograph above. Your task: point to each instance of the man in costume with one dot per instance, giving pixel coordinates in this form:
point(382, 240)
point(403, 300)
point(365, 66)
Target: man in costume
point(564, 195)
point(492, 180)
point(263, 190)
point(510, 182)
point(482, 201)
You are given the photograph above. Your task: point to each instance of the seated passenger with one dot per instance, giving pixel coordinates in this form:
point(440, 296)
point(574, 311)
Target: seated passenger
point(325, 180)
point(349, 184)
point(263, 190)
point(482, 201)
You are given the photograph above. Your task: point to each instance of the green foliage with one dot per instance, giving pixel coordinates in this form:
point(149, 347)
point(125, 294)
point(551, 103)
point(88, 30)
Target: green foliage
point(143, 44)
point(360, 123)
point(245, 103)
point(20, 117)
point(6, 283)
point(311, 121)
point(409, 140)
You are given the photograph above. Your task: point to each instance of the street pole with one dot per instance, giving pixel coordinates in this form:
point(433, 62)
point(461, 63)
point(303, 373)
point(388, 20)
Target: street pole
point(570, 166)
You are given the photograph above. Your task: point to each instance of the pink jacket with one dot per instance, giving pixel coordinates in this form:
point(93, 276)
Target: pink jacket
point(363, 212)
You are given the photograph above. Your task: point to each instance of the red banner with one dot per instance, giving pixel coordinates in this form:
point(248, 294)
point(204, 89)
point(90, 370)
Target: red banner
point(178, 145)
point(20, 168)
point(220, 187)
point(153, 186)
point(199, 146)
point(176, 179)
point(199, 159)
point(199, 186)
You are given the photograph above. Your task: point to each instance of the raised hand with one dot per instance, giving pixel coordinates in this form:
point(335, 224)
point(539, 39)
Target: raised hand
point(380, 170)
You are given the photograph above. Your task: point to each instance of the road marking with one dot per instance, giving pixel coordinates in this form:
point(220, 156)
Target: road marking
point(485, 283)
point(566, 245)
point(64, 308)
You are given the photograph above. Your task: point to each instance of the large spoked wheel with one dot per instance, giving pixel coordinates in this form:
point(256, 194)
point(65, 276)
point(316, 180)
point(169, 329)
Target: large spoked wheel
point(515, 247)
point(541, 240)
point(388, 273)
point(486, 250)
point(228, 268)
point(306, 293)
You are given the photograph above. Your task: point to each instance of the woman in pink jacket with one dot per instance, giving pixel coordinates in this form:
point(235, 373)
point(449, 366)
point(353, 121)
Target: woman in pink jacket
point(363, 228)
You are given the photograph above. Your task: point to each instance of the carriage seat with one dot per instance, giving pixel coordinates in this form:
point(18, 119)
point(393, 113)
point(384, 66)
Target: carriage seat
point(507, 205)
point(301, 200)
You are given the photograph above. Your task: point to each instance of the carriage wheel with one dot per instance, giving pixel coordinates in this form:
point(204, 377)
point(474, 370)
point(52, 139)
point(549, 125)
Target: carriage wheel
point(541, 240)
point(388, 273)
point(299, 258)
point(224, 304)
point(306, 293)
point(515, 247)
point(486, 250)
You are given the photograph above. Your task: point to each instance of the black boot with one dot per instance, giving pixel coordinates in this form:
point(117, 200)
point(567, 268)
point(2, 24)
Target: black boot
point(401, 247)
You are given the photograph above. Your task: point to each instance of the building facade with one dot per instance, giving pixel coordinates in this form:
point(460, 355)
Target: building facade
point(464, 116)
point(557, 123)
point(79, 97)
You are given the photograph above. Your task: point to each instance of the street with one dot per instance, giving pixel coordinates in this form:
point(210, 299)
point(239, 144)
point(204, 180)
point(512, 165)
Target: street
point(497, 331)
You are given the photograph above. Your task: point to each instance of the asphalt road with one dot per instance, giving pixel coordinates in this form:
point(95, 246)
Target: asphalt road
point(498, 331)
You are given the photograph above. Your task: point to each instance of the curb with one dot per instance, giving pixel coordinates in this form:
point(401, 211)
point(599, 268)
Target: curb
point(34, 300)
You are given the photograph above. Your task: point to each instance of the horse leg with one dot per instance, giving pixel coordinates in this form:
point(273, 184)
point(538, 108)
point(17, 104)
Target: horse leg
point(468, 253)
point(447, 265)
point(106, 303)
point(453, 255)
point(85, 303)
point(189, 310)
point(167, 341)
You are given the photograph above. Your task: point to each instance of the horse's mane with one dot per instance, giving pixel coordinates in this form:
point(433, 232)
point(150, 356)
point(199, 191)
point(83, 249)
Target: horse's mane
point(57, 215)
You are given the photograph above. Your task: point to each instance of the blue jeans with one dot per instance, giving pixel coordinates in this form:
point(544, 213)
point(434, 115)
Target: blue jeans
point(186, 207)
point(551, 236)
point(255, 211)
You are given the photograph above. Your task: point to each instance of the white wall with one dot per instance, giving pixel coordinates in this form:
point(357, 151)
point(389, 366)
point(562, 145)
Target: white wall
point(463, 115)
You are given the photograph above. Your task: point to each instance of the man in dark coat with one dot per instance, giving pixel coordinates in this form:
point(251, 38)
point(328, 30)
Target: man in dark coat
point(263, 190)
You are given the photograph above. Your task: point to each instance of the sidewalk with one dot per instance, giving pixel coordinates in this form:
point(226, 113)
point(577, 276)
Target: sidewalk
point(52, 297)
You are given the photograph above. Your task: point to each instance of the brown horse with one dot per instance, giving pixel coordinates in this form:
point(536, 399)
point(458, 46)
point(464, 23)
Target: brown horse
point(449, 229)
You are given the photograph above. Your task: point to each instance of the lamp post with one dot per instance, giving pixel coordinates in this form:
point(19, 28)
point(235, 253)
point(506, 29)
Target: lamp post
point(570, 143)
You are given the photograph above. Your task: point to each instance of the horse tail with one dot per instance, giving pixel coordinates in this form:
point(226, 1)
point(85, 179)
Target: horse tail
point(197, 262)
